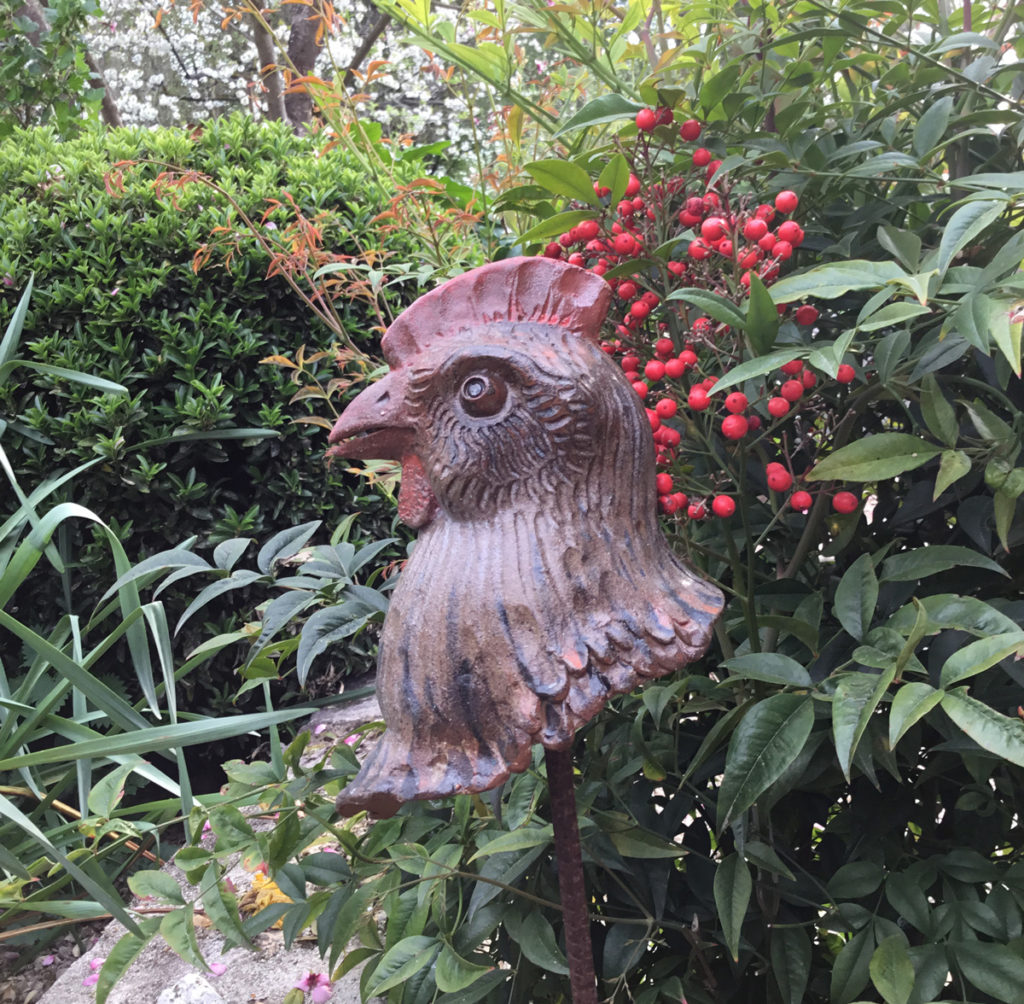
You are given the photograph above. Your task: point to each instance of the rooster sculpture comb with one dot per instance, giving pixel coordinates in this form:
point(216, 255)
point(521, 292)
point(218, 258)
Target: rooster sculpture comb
point(540, 584)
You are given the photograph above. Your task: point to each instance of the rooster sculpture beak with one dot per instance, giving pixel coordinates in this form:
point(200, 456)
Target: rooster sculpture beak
point(376, 426)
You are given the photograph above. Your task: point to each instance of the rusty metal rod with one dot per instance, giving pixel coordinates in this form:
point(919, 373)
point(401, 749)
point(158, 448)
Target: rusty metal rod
point(578, 947)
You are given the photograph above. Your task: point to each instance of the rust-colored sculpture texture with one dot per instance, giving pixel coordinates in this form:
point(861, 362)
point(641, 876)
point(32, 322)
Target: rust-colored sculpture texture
point(540, 584)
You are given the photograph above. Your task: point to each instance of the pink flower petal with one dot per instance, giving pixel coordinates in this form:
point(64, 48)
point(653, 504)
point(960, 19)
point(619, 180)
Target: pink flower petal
point(218, 968)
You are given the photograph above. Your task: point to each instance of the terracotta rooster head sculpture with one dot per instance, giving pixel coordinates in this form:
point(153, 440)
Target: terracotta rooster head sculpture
point(540, 584)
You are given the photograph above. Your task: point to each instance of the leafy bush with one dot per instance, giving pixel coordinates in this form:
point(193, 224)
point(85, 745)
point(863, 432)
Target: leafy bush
point(116, 296)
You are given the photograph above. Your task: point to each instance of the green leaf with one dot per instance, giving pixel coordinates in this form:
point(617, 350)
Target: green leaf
point(791, 962)
point(992, 731)
point(562, 177)
point(285, 544)
point(856, 697)
point(908, 566)
point(157, 884)
point(910, 704)
point(516, 840)
point(1004, 508)
point(757, 366)
point(891, 315)
point(715, 306)
point(891, 970)
point(874, 458)
point(221, 906)
point(771, 667)
point(826, 282)
point(931, 126)
point(555, 225)
point(851, 971)
point(178, 929)
point(765, 858)
point(963, 226)
point(733, 887)
point(635, 842)
point(401, 961)
point(9, 343)
point(765, 743)
point(939, 415)
point(606, 108)
point(856, 596)
point(454, 973)
point(536, 937)
point(615, 176)
point(762, 322)
point(979, 656)
point(855, 880)
point(128, 948)
point(953, 465)
point(994, 969)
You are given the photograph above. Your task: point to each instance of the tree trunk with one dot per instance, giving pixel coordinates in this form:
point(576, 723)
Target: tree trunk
point(304, 47)
point(270, 72)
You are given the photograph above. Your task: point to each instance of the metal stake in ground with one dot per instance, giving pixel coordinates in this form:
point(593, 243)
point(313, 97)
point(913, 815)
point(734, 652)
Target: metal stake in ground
point(578, 947)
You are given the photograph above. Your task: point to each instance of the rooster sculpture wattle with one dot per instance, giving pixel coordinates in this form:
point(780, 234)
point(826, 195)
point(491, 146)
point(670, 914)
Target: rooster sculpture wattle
point(540, 584)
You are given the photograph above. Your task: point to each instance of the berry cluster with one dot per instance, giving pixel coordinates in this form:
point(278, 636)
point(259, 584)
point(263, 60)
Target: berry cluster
point(689, 227)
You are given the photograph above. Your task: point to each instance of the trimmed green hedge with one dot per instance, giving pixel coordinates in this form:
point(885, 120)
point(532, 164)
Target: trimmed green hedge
point(116, 296)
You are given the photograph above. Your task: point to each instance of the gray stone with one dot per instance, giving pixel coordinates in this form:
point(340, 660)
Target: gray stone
point(192, 989)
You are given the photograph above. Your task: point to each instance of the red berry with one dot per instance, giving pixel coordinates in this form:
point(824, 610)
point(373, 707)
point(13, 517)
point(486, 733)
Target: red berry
point(755, 229)
point(765, 212)
point(681, 499)
point(577, 259)
point(677, 268)
point(601, 191)
point(664, 347)
point(767, 243)
point(698, 399)
point(652, 417)
point(666, 407)
point(734, 427)
point(668, 504)
point(846, 373)
point(633, 186)
point(671, 437)
point(801, 500)
point(723, 506)
point(786, 202)
point(696, 510)
point(845, 502)
point(655, 369)
point(624, 208)
point(725, 248)
point(627, 290)
point(783, 250)
point(663, 482)
point(714, 228)
point(688, 357)
point(624, 244)
point(689, 130)
point(588, 230)
point(640, 309)
point(808, 379)
point(793, 367)
point(553, 250)
point(754, 423)
point(779, 479)
point(792, 390)
point(665, 115)
point(790, 231)
point(674, 368)
point(701, 157)
point(736, 402)
point(641, 388)
point(777, 407)
point(651, 298)
point(806, 314)
point(630, 363)
point(697, 249)
point(646, 119)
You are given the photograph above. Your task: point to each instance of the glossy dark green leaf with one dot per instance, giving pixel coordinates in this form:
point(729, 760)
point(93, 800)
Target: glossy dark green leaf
point(562, 177)
point(855, 880)
point(874, 458)
point(964, 226)
point(606, 108)
point(826, 282)
point(850, 974)
point(791, 962)
point(856, 596)
point(733, 887)
point(770, 667)
point(992, 731)
point(765, 743)
point(536, 937)
point(891, 970)
point(994, 969)
point(555, 225)
point(980, 655)
point(714, 305)
point(454, 973)
point(939, 414)
point(908, 566)
point(401, 961)
point(910, 704)
point(762, 320)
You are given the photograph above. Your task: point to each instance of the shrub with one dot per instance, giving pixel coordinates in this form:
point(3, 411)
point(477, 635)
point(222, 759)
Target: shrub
point(116, 295)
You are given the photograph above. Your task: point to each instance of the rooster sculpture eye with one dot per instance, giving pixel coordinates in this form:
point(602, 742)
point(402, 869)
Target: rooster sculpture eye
point(482, 395)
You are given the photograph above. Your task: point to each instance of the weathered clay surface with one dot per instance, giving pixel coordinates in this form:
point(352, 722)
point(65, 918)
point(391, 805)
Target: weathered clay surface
point(540, 585)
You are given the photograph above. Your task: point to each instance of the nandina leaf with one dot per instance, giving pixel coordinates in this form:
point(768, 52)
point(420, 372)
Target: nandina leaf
point(912, 702)
point(979, 656)
point(607, 108)
point(715, 306)
point(992, 731)
point(558, 224)
point(762, 321)
point(891, 970)
point(562, 177)
point(874, 458)
point(924, 561)
point(953, 465)
point(791, 962)
point(856, 596)
point(401, 961)
point(826, 282)
point(964, 225)
point(856, 697)
point(765, 743)
point(733, 886)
